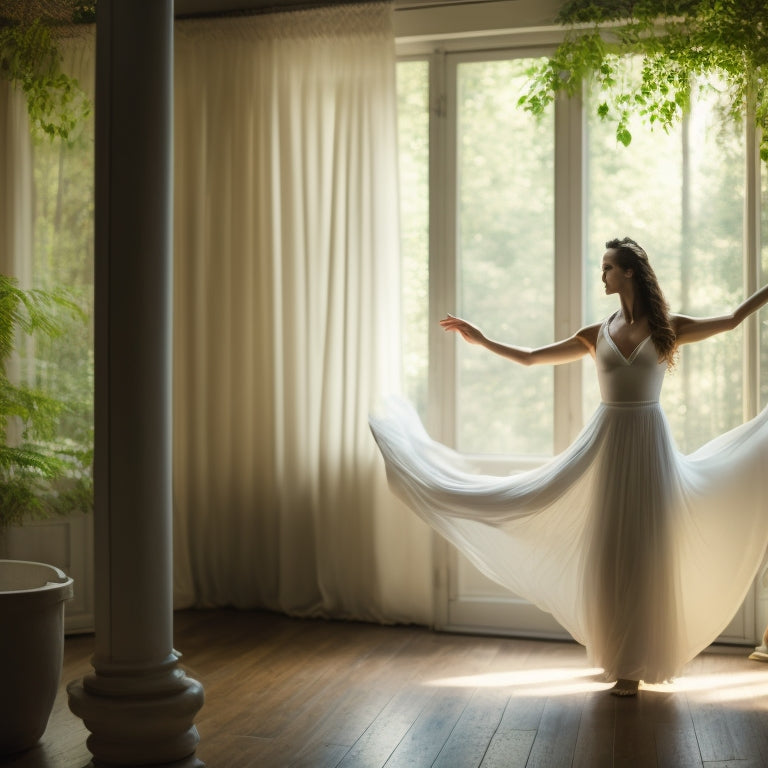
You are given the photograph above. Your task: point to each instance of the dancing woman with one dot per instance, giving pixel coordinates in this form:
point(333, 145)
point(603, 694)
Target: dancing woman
point(642, 553)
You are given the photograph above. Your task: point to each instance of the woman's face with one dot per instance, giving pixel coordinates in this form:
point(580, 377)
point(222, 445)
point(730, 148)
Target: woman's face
point(614, 277)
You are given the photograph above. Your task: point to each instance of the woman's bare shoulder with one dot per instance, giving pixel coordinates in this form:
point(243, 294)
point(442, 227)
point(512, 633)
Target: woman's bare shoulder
point(588, 336)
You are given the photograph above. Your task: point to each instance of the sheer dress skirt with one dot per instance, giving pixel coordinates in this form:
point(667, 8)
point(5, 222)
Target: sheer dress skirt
point(642, 554)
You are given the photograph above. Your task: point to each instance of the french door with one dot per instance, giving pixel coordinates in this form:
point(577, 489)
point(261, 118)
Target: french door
point(511, 238)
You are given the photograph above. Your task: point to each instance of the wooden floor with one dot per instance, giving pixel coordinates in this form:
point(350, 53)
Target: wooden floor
point(282, 692)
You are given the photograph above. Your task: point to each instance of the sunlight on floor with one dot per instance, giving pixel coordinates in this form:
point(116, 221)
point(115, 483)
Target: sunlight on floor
point(732, 686)
point(532, 682)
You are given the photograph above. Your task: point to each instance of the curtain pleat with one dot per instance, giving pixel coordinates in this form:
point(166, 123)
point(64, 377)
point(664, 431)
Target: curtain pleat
point(16, 204)
point(287, 318)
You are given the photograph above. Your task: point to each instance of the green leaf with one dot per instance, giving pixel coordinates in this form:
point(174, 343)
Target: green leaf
point(623, 135)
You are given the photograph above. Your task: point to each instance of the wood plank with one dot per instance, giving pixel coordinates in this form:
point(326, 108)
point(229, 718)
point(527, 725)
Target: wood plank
point(509, 749)
point(381, 738)
point(470, 738)
point(675, 736)
point(558, 730)
point(407, 693)
point(425, 738)
point(511, 744)
point(723, 716)
point(634, 745)
point(594, 744)
point(347, 711)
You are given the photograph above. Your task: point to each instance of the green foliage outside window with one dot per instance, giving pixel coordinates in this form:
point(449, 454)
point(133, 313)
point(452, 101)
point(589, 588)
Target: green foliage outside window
point(679, 41)
point(505, 259)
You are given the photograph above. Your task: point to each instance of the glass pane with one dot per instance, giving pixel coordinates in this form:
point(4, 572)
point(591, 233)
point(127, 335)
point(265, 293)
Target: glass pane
point(505, 164)
point(680, 195)
point(63, 259)
point(413, 134)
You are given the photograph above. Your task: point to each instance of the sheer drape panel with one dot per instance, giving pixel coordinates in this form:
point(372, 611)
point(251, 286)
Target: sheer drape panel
point(15, 184)
point(35, 177)
point(286, 317)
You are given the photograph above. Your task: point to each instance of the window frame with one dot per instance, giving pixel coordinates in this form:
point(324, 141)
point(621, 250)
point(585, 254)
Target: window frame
point(452, 609)
point(443, 57)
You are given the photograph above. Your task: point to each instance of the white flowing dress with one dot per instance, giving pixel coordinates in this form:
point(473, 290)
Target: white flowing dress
point(643, 554)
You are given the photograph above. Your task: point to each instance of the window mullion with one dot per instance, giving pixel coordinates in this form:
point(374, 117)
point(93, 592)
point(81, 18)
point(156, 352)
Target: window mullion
point(752, 266)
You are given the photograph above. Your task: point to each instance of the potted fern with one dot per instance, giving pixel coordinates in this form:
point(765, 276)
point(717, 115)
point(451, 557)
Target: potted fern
point(40, 474)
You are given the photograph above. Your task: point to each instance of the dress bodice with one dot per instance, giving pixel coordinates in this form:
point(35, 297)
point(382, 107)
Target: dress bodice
point(634, 379)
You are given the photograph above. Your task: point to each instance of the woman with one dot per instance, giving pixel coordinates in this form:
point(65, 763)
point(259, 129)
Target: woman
point(641, 553)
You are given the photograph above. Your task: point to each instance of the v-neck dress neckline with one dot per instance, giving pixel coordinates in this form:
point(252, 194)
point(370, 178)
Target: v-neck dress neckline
point(635, 352)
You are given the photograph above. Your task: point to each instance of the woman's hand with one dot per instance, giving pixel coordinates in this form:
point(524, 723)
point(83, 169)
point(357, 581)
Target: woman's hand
point(468, 332)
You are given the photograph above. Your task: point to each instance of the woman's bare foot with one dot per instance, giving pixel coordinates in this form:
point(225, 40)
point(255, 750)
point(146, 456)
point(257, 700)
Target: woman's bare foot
point(625, 688)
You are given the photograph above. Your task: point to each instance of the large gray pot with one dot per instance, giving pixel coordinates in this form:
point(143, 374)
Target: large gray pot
point(32, 599)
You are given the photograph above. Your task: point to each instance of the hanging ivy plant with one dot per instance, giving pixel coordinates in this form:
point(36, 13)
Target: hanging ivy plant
point(30, 59)
point(677, 42)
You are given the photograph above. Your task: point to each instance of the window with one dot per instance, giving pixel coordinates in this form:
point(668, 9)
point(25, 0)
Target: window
point(485, 248)
point(62, 258)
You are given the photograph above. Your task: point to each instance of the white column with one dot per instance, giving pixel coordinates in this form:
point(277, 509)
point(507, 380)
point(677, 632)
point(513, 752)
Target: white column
point(138, 704)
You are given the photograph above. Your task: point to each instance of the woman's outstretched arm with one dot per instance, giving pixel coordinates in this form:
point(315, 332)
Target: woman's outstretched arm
point(566, 351)
point(690, 329)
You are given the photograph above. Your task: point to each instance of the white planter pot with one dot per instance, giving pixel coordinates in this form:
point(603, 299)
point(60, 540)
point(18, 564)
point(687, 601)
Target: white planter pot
point(32, 599)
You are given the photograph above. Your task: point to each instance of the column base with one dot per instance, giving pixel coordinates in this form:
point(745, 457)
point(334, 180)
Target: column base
point(142, 716)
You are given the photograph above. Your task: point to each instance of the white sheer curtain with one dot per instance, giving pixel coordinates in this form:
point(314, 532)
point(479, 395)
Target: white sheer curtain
point(286, 315)
point(15, 184)
point(45, 195)
point(18, 155)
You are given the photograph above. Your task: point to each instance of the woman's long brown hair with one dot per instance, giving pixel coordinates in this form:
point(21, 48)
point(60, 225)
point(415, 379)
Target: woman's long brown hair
point(629, 255)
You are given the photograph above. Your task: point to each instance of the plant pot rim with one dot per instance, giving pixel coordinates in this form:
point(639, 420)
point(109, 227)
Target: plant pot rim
point(54, 585)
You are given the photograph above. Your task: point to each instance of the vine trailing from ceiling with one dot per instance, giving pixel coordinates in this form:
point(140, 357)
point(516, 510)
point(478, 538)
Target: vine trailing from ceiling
point(677, 43)
point(30, 59)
